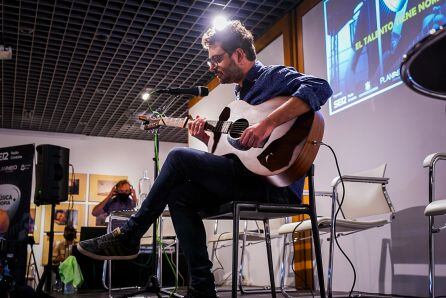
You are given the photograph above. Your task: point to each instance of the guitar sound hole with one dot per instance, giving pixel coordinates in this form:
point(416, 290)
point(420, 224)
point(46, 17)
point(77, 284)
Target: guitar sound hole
point(238, 127)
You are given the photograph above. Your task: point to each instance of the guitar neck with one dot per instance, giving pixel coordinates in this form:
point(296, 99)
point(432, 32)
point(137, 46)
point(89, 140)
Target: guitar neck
point(210, 125)
point(174, 122)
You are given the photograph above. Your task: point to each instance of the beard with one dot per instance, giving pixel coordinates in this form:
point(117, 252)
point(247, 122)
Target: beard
point(232, 74)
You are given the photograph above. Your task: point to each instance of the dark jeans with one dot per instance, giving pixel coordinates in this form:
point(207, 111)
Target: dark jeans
point(192, 180)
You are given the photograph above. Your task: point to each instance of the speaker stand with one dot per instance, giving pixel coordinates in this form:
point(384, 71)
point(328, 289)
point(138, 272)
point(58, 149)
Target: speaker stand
point(32, 259)
point(46, 275)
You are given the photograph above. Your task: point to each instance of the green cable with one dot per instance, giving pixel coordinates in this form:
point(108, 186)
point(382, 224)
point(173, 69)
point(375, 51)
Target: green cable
point(172, 267)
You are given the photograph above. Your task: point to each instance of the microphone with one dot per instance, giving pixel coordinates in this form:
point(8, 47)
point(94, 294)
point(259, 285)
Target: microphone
point(196, 91)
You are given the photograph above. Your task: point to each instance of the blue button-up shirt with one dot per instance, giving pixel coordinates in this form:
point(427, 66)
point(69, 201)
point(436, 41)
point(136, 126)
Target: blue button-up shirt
point(265, 82)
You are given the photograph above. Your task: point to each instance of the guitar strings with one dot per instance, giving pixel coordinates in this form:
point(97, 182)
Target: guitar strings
point(234, 128)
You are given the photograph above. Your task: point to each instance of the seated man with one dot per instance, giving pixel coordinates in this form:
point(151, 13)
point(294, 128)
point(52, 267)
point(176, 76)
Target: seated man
point(62, 250)
point(192, 180)
point(121, 197)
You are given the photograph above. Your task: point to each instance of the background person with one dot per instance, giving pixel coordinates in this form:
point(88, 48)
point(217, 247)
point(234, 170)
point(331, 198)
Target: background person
point(121, 197)
point(62, 250)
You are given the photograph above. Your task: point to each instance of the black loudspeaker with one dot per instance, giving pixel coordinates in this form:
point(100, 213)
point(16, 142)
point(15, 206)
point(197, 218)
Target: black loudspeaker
point(52, 171)
point(424, 68)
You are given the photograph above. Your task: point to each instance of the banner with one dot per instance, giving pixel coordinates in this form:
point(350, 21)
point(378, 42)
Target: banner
point(16, 170)
point(365, 42)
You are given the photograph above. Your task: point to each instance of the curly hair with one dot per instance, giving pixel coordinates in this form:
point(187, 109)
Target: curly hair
point(232, 37)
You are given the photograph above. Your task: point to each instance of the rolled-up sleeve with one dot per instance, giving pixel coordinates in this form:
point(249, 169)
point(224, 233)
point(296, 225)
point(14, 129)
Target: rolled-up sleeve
point(313, 91)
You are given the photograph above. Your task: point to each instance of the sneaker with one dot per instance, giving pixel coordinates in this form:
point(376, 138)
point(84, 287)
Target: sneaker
point(112, 246)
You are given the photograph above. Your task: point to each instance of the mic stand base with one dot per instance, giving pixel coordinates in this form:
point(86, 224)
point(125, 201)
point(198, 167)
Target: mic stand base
point(153, 287)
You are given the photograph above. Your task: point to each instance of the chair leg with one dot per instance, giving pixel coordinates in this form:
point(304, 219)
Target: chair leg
point(214, 244)
point(235, 229)
point(431, 236)
point(282, 264)
point(431, 259)
point(317, 250)
point(270, 257)
point(242, 256)
point(330, 266)
point(109, 263)
point(315, 231)
point(213, 251)
point(332, 243)
point(177, 260)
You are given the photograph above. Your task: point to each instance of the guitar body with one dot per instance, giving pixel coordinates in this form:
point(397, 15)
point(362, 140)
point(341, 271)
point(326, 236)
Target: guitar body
point(286, 155)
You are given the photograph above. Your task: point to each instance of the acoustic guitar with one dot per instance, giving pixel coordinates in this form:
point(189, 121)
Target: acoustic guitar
point(284, 156)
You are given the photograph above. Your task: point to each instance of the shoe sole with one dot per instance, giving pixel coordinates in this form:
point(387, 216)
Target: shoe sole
point(103, 258)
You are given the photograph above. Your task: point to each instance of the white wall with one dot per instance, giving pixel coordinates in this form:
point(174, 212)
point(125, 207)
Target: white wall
point(94, 155)
point(210, 107)
point(398, 127)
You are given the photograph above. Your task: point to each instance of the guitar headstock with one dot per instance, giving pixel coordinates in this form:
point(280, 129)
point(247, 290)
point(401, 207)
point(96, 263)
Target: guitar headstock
point(154, 122)
point(149, 122)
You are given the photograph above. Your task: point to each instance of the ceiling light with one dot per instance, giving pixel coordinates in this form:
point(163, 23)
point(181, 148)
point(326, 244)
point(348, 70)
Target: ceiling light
point(220, 22)
point(145, 95)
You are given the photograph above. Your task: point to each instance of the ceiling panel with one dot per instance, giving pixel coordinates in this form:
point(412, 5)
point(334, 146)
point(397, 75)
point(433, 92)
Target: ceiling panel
point(80, 66)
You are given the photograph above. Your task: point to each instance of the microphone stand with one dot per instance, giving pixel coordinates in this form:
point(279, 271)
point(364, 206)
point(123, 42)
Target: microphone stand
point(153, 284)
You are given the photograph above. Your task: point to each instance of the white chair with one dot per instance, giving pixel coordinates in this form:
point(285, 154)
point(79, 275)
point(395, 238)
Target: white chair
point(435, 208)
point(366, 205)
point(248, 237)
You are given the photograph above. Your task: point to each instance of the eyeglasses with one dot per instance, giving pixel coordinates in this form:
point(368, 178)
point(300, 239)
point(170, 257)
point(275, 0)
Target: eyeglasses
point(215, 60)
